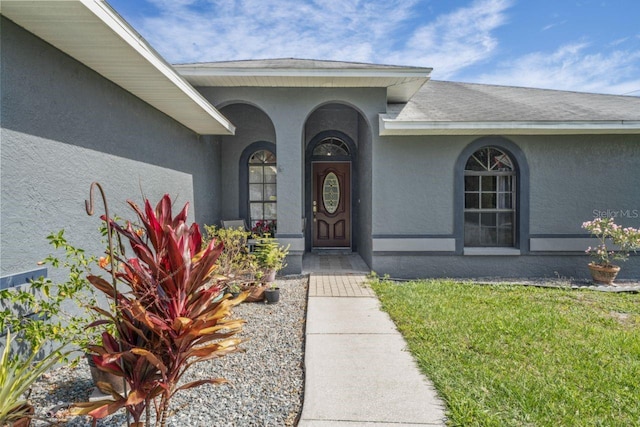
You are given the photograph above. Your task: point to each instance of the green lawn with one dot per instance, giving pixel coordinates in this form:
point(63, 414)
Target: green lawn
point(522, 356)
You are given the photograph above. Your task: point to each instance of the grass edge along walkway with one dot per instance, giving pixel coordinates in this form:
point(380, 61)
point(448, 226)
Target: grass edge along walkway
point(503, 355)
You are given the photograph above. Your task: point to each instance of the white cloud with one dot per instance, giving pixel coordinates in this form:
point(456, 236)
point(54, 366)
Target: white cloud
point(457, 40)
point(553, 25)
point(381, 31)
point(350, 30)
point(458, 45)
point(571, 67)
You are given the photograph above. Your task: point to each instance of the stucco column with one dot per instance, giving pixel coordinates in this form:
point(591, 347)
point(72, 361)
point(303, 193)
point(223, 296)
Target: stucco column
point(290, 185)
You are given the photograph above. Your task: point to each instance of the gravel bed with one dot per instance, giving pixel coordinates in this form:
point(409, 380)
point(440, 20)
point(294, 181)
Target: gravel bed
point(266, 381)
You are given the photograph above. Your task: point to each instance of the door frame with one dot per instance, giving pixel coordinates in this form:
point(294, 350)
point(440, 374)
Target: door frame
point(309, 160)
point(315, 190)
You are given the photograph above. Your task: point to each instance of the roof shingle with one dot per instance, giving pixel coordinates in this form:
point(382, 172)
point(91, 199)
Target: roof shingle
point(468, 102)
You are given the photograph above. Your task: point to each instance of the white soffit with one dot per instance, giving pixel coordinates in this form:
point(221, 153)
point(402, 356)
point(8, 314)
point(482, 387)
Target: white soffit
point(391, 127)
point(401, 83)
point(94, 34)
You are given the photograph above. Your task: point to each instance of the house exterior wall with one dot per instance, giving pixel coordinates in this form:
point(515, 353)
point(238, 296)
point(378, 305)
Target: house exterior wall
point(365, 183)
point(335, 117)
point(252, 125)
point(64, 126)
point(289, 110)
point(570, 179)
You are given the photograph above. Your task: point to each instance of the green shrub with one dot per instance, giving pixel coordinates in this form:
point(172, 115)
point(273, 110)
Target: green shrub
point(45, 311)
point(235, 262)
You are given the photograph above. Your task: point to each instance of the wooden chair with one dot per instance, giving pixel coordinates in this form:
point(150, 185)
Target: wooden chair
point(234, 223)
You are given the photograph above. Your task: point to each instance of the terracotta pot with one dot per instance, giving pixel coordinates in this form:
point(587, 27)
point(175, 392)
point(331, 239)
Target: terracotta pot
point(269, 276)
point(256, 292)
point(604, 274)
point(106, 377)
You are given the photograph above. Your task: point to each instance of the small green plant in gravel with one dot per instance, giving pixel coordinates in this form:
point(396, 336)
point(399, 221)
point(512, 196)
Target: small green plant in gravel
point(503, 355)
point(44, 311)
point(17, 375)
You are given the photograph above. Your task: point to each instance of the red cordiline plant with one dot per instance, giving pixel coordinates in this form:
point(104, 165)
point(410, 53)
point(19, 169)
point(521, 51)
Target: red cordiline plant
point(170, 313)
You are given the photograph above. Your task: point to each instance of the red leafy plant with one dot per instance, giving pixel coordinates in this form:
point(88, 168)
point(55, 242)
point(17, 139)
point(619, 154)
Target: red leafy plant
point(170, 313)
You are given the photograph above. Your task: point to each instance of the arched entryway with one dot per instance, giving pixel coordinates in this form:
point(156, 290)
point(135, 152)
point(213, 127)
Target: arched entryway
point(332, 193)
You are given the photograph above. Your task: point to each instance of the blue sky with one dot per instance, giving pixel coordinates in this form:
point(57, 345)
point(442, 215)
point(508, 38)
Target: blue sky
point(583, 45)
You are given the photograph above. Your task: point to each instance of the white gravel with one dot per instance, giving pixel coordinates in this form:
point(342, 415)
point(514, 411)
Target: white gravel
point(267, 380)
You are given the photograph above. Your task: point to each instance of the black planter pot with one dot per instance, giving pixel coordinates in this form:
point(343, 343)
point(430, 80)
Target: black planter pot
point(272, 295)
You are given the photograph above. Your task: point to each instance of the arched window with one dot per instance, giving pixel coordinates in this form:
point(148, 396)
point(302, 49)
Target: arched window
point(262, 186)
point(331, 147)
point(489, 199)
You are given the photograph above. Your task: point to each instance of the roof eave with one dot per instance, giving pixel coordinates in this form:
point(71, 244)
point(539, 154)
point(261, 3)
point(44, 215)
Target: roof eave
point(401, 83)
point(84, 29)
point(390, 127)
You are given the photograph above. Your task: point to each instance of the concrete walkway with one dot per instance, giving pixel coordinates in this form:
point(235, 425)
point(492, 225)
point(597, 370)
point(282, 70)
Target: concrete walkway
point(358, 371)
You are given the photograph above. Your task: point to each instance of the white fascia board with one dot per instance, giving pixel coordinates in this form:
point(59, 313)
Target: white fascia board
point(103, 11)
point(391, 127)
point(241, 72)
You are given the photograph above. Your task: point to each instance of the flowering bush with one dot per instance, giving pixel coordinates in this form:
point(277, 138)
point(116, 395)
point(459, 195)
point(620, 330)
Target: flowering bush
point(265, 228)
point(626, 239)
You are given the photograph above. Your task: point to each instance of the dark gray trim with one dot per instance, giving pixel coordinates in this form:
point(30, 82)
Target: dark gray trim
point(18, 279)
point(413, 236)
point(309, 159)
point(289, 236)
point(560, 253)
point(573, 253)
point(560, 236)
point(522, 189)
point(414, 253)
point(244, 174)
point(451, 253)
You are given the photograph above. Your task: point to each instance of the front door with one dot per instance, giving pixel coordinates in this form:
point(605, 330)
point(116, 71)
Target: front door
point(331, 204)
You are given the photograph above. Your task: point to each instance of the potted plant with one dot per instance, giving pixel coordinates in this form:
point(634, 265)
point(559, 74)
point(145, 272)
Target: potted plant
point(264, 228)
point(16, 377)
point(623, 239)
point(272, 293)
point(270, 257)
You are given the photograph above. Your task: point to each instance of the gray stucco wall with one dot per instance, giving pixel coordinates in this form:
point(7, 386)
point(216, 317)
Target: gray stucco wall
point(413, 185)
point(365, 150)
point(64, 126)
point(410, 266)
point(332, 117)
point(252, 125)
point(290, 110)
point(571, 179)
point(576, 176)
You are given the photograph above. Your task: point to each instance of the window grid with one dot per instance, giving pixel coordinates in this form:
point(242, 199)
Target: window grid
point(262, 187)
point(331, 147)
point(489, 205)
